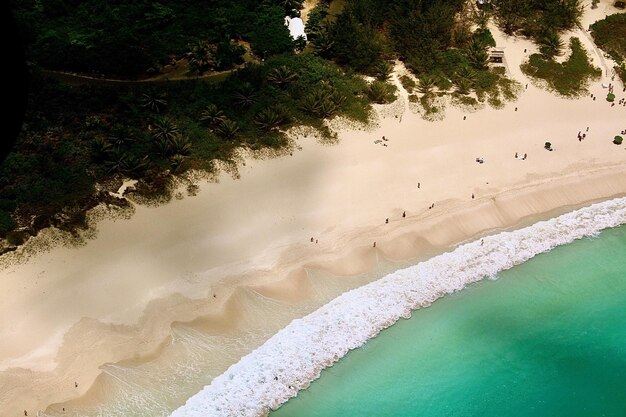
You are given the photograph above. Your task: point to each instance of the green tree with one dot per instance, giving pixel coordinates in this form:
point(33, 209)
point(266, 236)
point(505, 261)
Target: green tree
point(551, 45)
point(228, 129)
point(281, 76)
point(383, 71)
point(212, 115)
point(164, 128)
point(477, 55)
point(155, 102)
point(245, 96)
point(426, 85)
point(271, 36)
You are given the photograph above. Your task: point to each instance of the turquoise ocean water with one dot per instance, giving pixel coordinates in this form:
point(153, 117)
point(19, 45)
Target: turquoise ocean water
point(547, 338)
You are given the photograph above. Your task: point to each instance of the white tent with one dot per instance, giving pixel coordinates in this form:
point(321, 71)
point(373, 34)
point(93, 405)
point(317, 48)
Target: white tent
point(296, 27)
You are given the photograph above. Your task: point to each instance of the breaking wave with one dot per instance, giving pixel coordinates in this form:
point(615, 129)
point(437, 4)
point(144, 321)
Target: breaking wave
point(295, 356)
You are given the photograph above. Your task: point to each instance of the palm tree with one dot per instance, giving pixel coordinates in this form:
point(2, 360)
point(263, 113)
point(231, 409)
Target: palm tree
point(100, 148)
point(272, 117)
point(212, 115)
point(482, 17)
point(478, 56)
point(268, 119)
point(323, 43)
point(551, 45)
point(115, 160)
point(162, 146)
point(246, 96)
point(425, 85)
point(201, 57)
point(154, 102)
point(120, 138)
point(228, 129)
point(180, 145)
point(176, 163)
point(468, 74)
point(281, 76)
point(378, 92)
point(383, 71)
point(164, 128)
point(463, 85)
point(134, 166)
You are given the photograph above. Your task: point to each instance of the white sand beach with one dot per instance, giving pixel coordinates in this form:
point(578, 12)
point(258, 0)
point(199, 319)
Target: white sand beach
point(66, 312)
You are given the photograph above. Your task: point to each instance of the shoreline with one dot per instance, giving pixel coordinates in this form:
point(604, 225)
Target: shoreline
point(116, 299)
point(291, 286)
point(294, 357)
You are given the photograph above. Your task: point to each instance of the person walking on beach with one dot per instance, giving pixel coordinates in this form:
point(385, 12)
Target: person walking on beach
point(419, 184)
point(472, 196)
point(374, 243)
point(515, 155)
point(387, 220)
point(403, 214)
point(525, 156)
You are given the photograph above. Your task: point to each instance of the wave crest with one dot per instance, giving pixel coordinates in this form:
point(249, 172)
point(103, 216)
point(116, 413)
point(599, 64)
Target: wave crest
point(295, 356)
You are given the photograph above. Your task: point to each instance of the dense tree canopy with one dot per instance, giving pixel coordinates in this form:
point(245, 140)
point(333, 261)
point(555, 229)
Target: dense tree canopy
point(127, 38)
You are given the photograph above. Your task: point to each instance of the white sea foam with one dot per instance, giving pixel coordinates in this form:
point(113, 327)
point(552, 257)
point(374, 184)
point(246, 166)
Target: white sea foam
point(297, 354)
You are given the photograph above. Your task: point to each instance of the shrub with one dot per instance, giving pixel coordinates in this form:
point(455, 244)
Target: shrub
point(547, 145)
point(6, 222)
point(618, 140)
point(610, 97)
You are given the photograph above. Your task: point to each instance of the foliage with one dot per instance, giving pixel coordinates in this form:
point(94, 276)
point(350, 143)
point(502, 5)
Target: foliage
point(534, 18)
point(6, 223)
point(618, 140)
point(547, 145)
point(381, 92)
point(610, 97)
point(551, 45)
point(569, 78)
point(408, 83)
point(65, 149)
point(130, 38)
point(271, 36)
point(315, 21)
point(610, 36)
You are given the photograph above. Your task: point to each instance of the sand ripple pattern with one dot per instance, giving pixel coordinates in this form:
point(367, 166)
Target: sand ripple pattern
point(293, 357)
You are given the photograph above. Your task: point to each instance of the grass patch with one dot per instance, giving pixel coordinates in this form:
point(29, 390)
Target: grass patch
point(569, 78)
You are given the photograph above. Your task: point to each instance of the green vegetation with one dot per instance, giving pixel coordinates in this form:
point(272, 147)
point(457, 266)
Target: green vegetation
point(151, 131)
point(128, 39)
point(536, 18)
point(407, 83)
point(569, 78)
point(610, 35)
point(618, 140)
point(610, 97)
point(435, 41)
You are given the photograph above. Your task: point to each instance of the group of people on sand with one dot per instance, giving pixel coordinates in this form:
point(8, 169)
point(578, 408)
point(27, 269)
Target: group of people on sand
point(523, 157)
point(582, 136)
point(383, 140)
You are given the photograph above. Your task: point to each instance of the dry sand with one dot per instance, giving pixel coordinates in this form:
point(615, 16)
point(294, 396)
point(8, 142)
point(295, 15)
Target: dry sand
point(65, 312)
